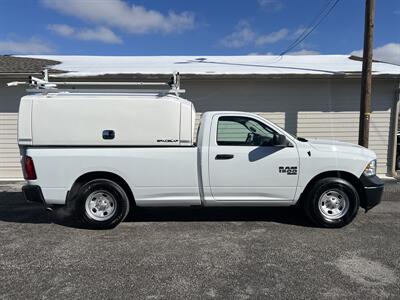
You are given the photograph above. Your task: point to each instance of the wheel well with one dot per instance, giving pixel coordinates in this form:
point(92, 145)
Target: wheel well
point(81, 180)
point(338, 174)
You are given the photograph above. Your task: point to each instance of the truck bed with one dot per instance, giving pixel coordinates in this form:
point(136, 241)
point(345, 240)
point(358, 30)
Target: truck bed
point(151, 172)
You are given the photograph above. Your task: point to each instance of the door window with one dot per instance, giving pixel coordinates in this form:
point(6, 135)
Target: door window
point(243, 131)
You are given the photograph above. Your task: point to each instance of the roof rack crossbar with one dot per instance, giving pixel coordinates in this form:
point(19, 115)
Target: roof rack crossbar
point(45, 86)
point(108, 91)
point(111, 83)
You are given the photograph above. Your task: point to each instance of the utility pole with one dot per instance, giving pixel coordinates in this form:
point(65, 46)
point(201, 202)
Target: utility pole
point(366, 79)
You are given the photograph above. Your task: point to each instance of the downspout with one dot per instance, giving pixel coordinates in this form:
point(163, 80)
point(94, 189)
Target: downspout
point(393, 138)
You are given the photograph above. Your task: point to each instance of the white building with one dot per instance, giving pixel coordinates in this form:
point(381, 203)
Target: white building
point(310, 96)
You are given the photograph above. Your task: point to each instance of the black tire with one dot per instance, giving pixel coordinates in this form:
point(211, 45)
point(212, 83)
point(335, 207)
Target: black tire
point(332, 188)
point(115, 199)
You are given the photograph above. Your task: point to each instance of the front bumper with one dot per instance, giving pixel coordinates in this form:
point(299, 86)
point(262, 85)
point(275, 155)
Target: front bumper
point(373, 190)
point(33, 193)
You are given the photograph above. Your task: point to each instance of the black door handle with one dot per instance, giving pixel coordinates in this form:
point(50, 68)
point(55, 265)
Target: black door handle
point(224, 156)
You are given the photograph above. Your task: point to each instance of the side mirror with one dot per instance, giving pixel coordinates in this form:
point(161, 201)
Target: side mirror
point(281, 141)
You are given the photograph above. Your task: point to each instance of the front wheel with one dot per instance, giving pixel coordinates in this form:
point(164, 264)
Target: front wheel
point(332, 202)
point(101, 204)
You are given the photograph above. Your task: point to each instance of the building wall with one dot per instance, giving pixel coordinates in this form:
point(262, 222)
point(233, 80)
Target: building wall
point(313, 108)
point(10, 167)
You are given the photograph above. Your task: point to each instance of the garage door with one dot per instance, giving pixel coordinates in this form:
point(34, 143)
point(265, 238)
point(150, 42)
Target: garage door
point(10, 167)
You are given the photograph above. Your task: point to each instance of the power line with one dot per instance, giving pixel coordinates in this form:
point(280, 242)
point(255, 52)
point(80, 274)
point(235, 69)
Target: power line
point(311, 24)
point(320, 17)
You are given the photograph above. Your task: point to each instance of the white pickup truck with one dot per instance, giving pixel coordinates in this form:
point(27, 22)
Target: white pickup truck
point(103, 154)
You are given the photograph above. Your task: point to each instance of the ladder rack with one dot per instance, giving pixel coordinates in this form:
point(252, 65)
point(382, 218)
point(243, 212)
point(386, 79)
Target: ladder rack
point(44, 86)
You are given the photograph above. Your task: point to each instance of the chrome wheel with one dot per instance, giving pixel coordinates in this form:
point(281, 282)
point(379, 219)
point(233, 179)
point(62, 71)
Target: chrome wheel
point(100, 205)
point(333, 204)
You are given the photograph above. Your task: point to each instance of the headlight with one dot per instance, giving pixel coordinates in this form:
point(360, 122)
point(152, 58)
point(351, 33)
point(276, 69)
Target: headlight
point(370, 169)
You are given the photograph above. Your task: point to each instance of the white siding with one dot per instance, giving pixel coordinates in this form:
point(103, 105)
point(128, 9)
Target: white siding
point(276, 117)
point(9, 153)
point(10, 167)
point(343, 126)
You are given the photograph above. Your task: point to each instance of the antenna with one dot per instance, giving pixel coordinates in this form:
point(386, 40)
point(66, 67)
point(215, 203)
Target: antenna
point(45, 86)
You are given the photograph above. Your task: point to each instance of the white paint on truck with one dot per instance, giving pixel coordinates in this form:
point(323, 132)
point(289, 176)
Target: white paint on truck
point(69, 119)
point(240, 159)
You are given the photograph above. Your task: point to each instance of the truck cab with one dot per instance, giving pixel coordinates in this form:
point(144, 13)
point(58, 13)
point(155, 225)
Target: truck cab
point(276, 168)
point(241, 157)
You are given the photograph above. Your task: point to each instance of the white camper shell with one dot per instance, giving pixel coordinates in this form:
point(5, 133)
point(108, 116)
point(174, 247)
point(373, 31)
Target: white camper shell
point(87, 117)
point(105, 120)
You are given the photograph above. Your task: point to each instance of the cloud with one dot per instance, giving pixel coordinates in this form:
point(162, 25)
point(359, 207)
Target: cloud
point(304, 52)
point(299, 32)
point(61, 29)
point(388, 53)
point(300, 52)
point(131, 18)
point(256, 53)
point(242, 36)
point(100, 34)
point(271, 5)
point(31, 46)
point(272, 37)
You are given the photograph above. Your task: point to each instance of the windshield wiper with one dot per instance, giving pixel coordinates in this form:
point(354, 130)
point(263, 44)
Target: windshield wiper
point(301, 139)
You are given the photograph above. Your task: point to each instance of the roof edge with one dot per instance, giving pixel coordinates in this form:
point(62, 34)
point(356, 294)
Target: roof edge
point(134, 76)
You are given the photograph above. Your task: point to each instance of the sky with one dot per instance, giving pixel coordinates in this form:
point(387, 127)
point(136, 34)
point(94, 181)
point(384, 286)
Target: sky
point(183, 27)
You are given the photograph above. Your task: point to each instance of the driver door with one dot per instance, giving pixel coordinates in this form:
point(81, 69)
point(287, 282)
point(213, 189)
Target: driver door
point(246, 166)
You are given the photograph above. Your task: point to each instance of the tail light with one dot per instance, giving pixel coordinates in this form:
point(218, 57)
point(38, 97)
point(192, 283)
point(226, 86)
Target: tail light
point(28, 168)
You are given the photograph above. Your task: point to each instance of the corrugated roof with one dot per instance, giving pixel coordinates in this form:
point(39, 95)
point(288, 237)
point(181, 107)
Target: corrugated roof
point(82, 66)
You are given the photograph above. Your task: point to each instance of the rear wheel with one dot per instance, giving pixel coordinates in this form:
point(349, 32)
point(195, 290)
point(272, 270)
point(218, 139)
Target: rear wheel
point(101, 204)
point(332, 202)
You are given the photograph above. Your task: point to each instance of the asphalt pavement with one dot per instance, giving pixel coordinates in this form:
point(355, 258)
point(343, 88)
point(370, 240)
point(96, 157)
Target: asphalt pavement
point(229, 253)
